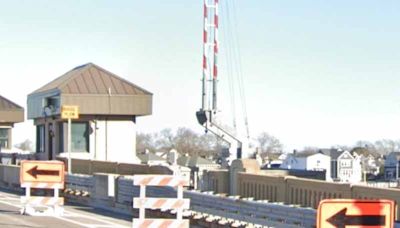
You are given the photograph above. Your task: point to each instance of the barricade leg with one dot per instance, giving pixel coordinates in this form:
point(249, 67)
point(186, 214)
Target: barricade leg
point(51, 205)
point(57, 209)
point(26, 209)
point(159, 203)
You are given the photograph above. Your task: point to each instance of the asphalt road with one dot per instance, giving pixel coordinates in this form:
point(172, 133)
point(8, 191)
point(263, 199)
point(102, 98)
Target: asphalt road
point(74, 216)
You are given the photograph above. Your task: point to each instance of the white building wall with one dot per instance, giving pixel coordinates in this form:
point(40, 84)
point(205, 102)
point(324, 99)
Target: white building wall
point(120, 142)
point(154, 163)
point(292, 162)
point(349, 168)
point(320, 162)
point(357, 170)
point(98, 145)
point(111, 141)
point(301, 163)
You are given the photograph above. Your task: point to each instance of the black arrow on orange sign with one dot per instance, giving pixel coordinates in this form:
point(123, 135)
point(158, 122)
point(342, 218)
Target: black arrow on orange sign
point(35, 171)
point(341, 220)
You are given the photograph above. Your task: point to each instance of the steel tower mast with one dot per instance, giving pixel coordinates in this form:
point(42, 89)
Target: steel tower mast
point(206, 116)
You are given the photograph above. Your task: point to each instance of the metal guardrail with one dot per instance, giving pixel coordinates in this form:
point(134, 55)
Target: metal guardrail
point(79, 184)
point(254, 212)
point(226, 207)
point(234, 208)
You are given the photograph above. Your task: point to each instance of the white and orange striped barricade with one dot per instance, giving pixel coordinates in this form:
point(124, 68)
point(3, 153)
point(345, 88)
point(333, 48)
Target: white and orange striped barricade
point(142, 203)
point(42, 175)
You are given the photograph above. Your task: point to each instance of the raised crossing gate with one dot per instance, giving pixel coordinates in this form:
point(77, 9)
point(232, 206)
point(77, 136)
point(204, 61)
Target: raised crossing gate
point(42, 175)
point(142, 203)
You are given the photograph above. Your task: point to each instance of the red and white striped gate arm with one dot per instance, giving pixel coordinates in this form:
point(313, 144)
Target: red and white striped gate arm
point(160, 180)
point(156, 223)
point(216, 42)
point(42, 200)
point(161, 203)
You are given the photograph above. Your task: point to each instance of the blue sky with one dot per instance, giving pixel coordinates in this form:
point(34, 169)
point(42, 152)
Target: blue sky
point(316, 73)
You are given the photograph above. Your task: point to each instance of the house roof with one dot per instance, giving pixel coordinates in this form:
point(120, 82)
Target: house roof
point(304, 154)
point(395, 154)
point(92, 79)
point(333, 153)
point(7, 105)
point(193, 161)
point(10, 112)
point(149, 157)
point(346, 155)
point(95, 91)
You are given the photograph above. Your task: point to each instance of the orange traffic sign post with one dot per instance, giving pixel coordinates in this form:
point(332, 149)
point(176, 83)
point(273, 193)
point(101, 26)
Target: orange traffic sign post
point(43, 175)
point(342, 213)
point(69, 112)
point(36, 173)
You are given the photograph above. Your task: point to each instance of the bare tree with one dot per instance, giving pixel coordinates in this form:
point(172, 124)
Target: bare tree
point(385, 146)
point(268, 144)
point(146, 141)
point(365, 144)
point(165, 140)
point(26, 145)
point(184, 140)
point(310, 149)
point(187, 141)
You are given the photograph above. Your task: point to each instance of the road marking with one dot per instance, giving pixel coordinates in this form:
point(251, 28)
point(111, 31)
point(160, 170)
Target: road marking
point(96, 219)
point(91, 225)
point(17, 220)
point(70, 214)
point(10, 204)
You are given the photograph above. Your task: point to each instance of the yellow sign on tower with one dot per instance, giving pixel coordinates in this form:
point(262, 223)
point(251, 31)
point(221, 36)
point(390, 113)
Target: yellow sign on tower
point(70, 112)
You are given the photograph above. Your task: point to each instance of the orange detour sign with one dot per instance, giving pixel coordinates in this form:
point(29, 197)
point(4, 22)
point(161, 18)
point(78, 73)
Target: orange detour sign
point(346, 213)
point(42, 174)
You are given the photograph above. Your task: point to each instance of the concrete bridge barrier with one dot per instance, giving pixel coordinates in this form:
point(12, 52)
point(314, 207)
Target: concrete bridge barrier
point(297, 196)
point(9, 176)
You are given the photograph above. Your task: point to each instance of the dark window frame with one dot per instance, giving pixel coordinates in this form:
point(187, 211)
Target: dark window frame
point(7, 139)
point(40, 138)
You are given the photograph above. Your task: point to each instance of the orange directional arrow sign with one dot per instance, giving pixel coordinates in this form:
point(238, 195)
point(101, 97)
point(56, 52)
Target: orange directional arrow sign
point(35, 171)
point(342, 213)
point(342, 219)
point(45, 172)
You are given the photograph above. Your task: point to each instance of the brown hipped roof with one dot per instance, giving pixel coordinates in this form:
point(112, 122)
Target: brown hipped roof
point(92, 79)
point(95, 91)
point(10, 112)
point(7, 105)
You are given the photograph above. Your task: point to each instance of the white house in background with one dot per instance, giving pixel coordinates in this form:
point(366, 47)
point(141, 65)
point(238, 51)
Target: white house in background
point(308, 161)
point(152, 159)
point(108, 111)
point(370, 165)
point(197, 166)
point(392, 164)
point(349, 168)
